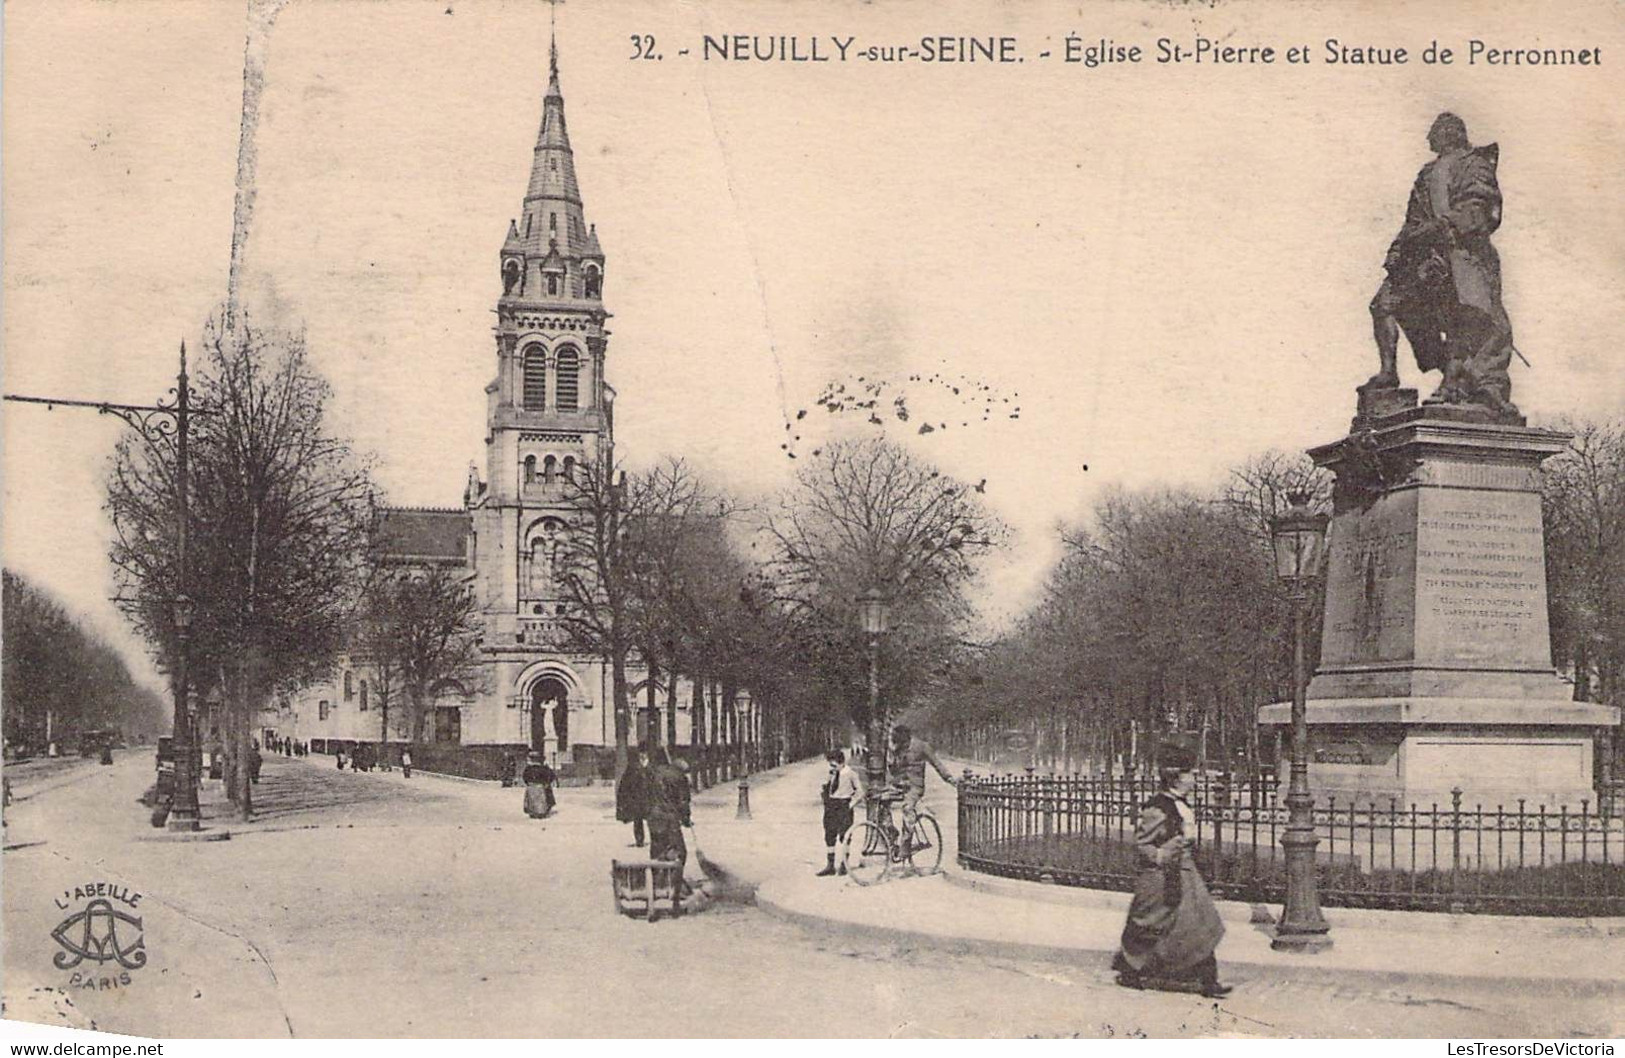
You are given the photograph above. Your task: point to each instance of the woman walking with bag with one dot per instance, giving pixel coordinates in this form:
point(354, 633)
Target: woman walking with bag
point(1173, 928)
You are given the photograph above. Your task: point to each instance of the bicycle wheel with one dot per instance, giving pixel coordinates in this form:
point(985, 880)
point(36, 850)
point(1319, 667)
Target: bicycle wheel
point(868, 853)
point(925, 851)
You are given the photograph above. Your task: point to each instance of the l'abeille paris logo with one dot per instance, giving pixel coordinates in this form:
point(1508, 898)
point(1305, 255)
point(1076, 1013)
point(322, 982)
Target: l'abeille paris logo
point(100, 932)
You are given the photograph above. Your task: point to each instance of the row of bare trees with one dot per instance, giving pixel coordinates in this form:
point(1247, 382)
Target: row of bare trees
point(59, 679)
point(1585, 558)
point(1162, 614)
point(664, 569)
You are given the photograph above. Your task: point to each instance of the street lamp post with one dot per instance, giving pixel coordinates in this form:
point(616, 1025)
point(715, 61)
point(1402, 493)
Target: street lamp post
point(1298, 536)
point(156, 423)
point(876, 612)
point(183, 811)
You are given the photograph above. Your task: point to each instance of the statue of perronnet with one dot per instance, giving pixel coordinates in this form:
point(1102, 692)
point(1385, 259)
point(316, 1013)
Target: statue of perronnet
point(1444, 278)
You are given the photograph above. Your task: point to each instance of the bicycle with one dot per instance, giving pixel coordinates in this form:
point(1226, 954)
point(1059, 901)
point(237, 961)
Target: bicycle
point(874, 849)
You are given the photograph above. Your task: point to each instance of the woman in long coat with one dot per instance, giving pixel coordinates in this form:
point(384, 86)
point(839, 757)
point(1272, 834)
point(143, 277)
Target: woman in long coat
point(1173, 927)
point(538, 778)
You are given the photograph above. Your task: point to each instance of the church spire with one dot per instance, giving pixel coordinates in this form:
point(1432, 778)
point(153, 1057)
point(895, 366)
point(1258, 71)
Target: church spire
point(552, 252)
point(553, 52)
point(553, 173)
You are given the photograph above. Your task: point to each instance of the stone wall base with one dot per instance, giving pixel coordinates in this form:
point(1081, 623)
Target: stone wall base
point(1418, 751)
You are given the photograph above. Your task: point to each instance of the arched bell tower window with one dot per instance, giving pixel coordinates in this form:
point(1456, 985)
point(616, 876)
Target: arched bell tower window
point(530, 470)
point(550, 470)
point(569, 468)
point(568, 382)
point(535, 378)
point(595, 282)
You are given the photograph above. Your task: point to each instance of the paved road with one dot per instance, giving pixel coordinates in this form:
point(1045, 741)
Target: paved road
point(370, 905)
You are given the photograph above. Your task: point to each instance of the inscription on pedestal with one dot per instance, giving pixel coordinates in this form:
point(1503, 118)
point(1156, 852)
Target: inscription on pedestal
point(1481, 577)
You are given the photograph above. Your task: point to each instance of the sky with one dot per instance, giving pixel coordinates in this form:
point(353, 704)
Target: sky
point(1169, 263)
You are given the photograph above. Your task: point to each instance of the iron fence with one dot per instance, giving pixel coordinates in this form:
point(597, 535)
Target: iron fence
point(1501, 859)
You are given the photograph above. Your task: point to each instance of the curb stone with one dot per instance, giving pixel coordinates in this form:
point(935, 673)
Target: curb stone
point(1241, 969)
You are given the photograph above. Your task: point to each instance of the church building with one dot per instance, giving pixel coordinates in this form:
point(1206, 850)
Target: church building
point(549, 411)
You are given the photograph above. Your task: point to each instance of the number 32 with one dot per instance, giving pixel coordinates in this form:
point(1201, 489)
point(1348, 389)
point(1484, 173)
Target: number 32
point(643, 46)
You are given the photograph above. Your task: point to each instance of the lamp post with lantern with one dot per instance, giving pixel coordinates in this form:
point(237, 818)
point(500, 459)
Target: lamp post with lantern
point(1298, 536)
point(162, 425)
point(875, 610)
point(184, 813)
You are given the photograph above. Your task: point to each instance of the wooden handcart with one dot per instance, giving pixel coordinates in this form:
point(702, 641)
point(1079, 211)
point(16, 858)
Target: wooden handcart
point(646, 887)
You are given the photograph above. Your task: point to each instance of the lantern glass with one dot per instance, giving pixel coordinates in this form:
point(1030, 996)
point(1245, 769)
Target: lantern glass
point(875, 611)
point(1298, 536)
point(183, 613)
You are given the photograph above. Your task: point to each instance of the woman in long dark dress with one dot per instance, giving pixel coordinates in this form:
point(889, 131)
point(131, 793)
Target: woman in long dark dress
point(1173, 928)
point(538, 779)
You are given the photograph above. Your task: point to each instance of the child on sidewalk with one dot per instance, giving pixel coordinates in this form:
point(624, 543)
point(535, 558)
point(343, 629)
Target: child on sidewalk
point(841, 789)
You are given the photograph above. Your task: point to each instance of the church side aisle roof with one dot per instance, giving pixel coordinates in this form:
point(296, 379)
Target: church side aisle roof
point(424, 533)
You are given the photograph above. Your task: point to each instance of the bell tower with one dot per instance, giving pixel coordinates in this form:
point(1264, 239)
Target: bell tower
point(548, 412)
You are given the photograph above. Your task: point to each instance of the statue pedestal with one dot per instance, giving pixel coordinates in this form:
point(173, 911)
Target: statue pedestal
point(1435, 669)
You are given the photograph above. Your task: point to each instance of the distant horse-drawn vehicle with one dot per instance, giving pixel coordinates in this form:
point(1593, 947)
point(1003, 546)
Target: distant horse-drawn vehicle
point(93, 742)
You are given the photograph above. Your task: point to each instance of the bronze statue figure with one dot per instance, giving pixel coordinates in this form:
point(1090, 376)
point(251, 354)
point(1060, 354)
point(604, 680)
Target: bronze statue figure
point(1444, 279)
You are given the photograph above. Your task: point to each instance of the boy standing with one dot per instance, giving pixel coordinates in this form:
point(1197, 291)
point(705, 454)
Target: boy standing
point(841, 789)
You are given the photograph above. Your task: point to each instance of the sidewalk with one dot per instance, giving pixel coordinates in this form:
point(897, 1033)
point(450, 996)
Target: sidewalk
point(778, 852)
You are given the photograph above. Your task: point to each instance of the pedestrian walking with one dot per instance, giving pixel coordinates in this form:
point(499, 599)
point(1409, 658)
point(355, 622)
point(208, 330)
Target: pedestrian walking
point(255, 760)
point(1173, 928)
point(841, 790)
point(340, 756)
point(632, 795)
point(406, 762)
point(539, 779)
point(668, 810)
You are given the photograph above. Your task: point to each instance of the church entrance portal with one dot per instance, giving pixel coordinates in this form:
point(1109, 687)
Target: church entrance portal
point(549, 714)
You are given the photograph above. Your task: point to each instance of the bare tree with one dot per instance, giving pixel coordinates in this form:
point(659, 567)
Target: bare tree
point(864, 516)
point(279, 518)
point(617, 523)
point(1585, 558)
point(1260, 487)
point(420, 628)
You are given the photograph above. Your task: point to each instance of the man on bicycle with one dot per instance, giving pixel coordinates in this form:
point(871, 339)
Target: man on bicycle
point(905, 775)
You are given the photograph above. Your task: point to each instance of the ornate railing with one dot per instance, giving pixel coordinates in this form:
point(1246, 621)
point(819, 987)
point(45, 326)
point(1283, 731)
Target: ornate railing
point(1499, 859)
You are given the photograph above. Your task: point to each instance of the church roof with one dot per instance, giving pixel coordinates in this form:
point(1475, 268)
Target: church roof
point(424, 533)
